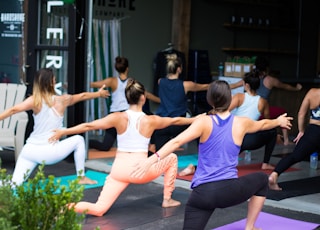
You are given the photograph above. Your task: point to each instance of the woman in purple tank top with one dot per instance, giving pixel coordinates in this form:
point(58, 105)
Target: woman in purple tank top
point(216, 184)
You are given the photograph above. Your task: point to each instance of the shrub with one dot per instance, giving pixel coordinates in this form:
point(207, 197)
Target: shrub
point(40, 203)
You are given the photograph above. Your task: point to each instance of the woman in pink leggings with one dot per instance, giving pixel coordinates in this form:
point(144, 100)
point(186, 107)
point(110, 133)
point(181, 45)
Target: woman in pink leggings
point(134, 129)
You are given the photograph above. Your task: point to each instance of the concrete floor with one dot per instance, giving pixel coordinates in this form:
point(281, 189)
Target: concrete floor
point(302, 207)
point(139, 207)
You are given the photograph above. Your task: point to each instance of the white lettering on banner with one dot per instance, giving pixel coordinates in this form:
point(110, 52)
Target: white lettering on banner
point(53, 3)
point(54, 31)
point(12, 17)
point(57, 33)
point(55, 61)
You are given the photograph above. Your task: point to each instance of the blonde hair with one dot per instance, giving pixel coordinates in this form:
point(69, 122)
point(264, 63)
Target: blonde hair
point(43, 87)
point(173, 63)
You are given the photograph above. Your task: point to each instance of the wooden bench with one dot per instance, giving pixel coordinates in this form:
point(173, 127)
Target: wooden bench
point(13, 128)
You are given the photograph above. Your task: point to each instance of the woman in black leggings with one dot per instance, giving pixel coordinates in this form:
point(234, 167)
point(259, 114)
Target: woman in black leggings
point(216, 183)
point(307, 140)
point(251, 105)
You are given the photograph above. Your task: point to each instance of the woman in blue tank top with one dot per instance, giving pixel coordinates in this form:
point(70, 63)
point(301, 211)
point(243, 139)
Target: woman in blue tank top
point(172, 93)
point(215, 183)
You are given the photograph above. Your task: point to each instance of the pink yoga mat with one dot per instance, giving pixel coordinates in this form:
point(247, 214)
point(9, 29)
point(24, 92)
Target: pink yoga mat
point(271, 222)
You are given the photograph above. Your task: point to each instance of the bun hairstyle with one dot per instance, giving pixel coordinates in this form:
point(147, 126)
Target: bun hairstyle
point(121, 64)
point(262, 64)
point(219, 96)
point(133, 91)
point(173, 63)
point(253, 79)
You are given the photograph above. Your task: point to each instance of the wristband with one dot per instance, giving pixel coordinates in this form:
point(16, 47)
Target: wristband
point(157, 154)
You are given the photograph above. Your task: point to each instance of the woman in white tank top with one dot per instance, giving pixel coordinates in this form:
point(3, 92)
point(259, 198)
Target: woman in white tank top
point(48, 110)
point(134, 129)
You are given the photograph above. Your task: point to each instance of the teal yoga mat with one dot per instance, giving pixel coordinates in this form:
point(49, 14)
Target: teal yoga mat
point(100, 177)
point(185, 160)
point(94, 175)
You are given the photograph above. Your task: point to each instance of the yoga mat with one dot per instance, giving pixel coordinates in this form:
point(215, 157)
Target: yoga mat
point(250, 168)
point(94, 175)
point(271, 222)
point(100, 177)
point(295, 188)
point(242, 170)
point(185, 160)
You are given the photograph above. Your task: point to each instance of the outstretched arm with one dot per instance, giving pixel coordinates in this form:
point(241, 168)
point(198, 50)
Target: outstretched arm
point(279, 84)
point(108, 82)
point(103, 123)
point(23, 106)
point(88, 95)
point(152, 97)
point(253, 126)
point(191, 86)
point(236, 85)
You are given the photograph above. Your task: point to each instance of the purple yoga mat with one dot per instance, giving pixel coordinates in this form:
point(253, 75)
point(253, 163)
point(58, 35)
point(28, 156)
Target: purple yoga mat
point(271, 222)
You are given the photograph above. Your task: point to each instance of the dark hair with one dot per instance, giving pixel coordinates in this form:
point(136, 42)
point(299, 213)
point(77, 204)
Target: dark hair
point(252, 78)
point(173, 63)
point(219, 95)
point(261, 63)
point(133, 91)
point(121, 64)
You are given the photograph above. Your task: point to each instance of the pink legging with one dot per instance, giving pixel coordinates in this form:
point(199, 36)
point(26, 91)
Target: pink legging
point(120, 178)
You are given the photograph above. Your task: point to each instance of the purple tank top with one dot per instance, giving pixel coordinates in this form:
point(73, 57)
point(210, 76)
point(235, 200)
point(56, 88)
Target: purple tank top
point(218, 156)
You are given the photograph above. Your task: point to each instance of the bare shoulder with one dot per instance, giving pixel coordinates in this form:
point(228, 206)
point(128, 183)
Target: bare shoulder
point(203, 121)
point(63, 98)
point(314, 91)
point(241, 122)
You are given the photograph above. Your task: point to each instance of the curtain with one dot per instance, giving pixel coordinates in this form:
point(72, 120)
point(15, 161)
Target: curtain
point(106, 46)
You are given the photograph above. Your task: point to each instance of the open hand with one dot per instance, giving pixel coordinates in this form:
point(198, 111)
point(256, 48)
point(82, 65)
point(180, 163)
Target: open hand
point(57, 134)
point(285, 122)
point(298, 86)
point(296, 140)
point(104, 93)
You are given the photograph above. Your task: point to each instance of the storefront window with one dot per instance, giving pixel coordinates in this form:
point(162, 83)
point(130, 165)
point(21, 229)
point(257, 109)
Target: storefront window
point(53, 41)
point(53, 25)
point(11, 34)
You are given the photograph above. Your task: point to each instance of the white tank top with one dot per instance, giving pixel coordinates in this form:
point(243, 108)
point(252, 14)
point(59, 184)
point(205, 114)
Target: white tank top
point(119, 101)
point(45, 121)
point(131, 140)
point(249, 107)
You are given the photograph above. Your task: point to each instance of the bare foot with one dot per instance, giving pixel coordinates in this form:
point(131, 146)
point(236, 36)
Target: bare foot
point(273, 185)
point(253, 228)
point(288, 143)
point(170, 203)
point(266, 166)
point(86, 180)
point(188, 170)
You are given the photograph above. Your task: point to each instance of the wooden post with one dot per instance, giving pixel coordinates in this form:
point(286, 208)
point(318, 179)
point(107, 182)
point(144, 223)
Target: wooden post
point(180, 34)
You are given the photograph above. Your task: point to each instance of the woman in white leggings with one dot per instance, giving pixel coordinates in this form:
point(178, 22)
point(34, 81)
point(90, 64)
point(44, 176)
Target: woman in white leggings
point(48, 109)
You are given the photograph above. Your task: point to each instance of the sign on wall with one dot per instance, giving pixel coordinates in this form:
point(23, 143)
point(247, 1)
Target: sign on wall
point(11, 24)
point(110, 9)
